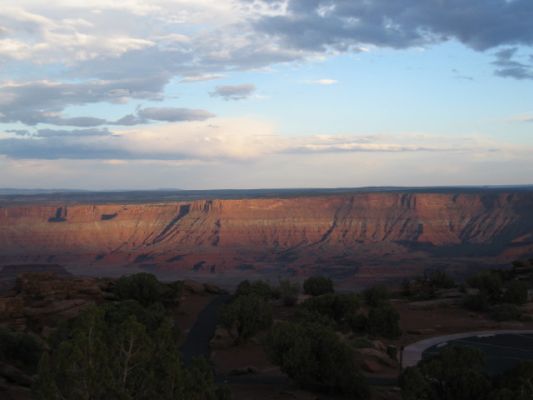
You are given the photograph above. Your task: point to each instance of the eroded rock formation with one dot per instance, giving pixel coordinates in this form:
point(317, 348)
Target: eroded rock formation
point(219, 235)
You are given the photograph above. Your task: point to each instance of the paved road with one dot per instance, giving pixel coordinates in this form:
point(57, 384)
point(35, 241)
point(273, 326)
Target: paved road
point(413, 353)
point(197, 341)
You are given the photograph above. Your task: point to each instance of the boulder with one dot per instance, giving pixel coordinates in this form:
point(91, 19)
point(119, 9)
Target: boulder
point(372, 366)
point(377, 356)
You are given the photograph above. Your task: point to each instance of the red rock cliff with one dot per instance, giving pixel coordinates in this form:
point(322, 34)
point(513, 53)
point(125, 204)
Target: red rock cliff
point(222, 234)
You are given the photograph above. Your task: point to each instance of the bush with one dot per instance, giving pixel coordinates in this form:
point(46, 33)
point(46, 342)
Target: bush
point(384, 321)
point(453, 374)
point(358, 323)
point(257, 288)
point(441, 280)
point(288, 292)
point(376, 295)
point(488, 282)
point(418, 289)
point(476, 302)
point(318, 285)
point(337, 307)
point(21, 350)
point(362, 343)
point(506, 312)
point(516, 383)
point(304, 315)
point(142, 287)
point(516, 292)
point(315, 358)
point(247, 314)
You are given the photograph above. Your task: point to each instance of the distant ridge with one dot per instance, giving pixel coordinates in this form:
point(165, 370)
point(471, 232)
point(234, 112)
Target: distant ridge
point(72, 196)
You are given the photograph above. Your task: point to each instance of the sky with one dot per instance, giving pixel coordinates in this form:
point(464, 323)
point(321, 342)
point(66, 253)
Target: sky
point(211, 94)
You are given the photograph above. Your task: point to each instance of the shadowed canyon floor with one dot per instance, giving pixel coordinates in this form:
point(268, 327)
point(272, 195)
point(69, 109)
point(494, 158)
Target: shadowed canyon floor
point(357, 237)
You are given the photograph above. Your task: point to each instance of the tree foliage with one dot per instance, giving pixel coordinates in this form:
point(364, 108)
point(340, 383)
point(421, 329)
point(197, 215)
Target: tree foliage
point(384, 321)
point(376, 295)
point(247, 314)
point(146, 289)
point(19, 349)
point(257, 288)
point(336, 307)
point(288, 292)
point(117, 352)
point(318, 285)
point(315, 358)
point(454, 374)
point(458, 373)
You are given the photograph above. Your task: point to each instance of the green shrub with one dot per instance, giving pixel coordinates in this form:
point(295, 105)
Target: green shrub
point(516, 292)
point(19, 349)
point(257, 288)
point(488, 282)
point(440, 280)
point(506, 312)
point(515, 384)
point(335, 306)
point(476, 302)
point(318, 285)
point(358, 323)
point(316, 359)
point(288, 292)
point(304, 315)
point(142, 287)
point(376, 295)
point(455, 373)
point(248, 314)
point(384, 321)
point(362, 343)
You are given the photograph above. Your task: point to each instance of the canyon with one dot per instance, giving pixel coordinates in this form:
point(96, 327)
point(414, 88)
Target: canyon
point(350, 236)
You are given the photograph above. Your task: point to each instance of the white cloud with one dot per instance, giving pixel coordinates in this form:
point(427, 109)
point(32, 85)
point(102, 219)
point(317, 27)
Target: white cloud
point(325, 82)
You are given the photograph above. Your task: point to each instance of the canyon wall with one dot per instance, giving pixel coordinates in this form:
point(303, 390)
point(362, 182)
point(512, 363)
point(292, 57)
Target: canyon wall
point(298, 232)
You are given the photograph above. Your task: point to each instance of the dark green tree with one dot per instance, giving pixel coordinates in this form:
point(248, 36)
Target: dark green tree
point(376, 295)
point(318, 285)
point(247, 314)
point(516, 292)
point(454, 374)
point(337, 307)
point(257, 288)
point(315, 358)
point(383, 321)
point(142, 287)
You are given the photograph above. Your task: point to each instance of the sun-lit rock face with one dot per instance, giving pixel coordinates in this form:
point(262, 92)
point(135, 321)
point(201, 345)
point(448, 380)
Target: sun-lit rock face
point(218, 235)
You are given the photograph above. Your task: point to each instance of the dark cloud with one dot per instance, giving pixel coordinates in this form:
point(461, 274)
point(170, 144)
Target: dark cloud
point(170, 114)
point(42, 101)
point(508, 66)
point(167, 114)
point(47, 133)
point(233, 92)
point(344, 24)
point(53, 148)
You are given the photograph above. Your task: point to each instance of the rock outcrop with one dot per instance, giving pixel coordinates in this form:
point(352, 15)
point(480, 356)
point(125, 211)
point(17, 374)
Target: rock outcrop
point(41, 300)
point(343, 231)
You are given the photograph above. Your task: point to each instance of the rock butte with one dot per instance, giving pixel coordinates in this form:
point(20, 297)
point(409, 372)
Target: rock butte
point(297, 233)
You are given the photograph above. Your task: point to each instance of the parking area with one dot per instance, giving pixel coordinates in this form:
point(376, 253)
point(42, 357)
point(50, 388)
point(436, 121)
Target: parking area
point(502, 351)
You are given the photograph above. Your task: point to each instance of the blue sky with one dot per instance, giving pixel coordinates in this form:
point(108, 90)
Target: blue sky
point(247, 94)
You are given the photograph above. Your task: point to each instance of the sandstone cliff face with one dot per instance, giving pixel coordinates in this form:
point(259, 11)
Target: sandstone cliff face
point(218, 235)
